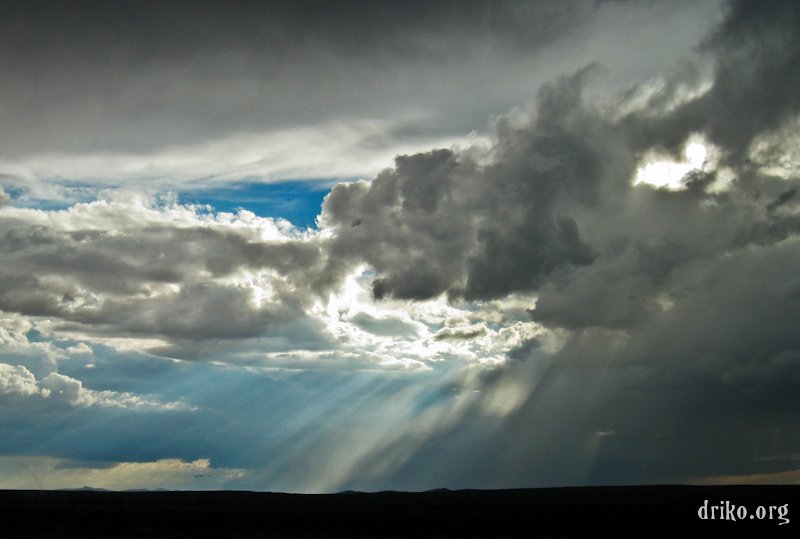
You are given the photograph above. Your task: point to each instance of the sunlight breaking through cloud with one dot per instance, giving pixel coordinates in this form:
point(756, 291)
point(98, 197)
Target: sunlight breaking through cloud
point(671, 174)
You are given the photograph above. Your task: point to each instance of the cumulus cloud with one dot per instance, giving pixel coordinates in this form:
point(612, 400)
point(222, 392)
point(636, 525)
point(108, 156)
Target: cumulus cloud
point(550, 207)
point(128, 267)
point(481, 226)
point(58, 390)
point(17, 380)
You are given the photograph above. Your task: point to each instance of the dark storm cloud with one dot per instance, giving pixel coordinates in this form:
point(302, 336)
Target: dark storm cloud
point(752, 94)
point(706, 388)
point(197, 27)
point(449, 334)
point(145, 74)
point(444, 222)
point(783, 198)
point(654, 235)
point(551, 206)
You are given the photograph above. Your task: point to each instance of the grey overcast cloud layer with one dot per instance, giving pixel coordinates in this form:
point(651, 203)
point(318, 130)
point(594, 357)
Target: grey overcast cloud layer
point(112, 91)
point(135, 76)
point(511, 307)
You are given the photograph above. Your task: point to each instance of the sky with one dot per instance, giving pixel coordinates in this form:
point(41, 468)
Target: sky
point(316, 247)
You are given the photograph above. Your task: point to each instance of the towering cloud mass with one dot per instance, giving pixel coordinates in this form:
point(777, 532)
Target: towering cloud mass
point(483, 224)
point(550, 207)
point(568, 321)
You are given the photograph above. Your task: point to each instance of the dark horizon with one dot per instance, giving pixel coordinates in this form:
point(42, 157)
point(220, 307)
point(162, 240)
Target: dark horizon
point(626, 511)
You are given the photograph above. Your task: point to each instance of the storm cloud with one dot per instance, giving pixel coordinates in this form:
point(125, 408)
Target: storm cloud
point(687, 292)
point(552, 205)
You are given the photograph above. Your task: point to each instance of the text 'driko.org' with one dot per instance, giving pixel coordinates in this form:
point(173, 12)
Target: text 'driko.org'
point(725, 510)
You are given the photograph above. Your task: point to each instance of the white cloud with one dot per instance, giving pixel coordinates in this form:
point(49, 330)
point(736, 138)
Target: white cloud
point(138, 269)
point(119, 210)
point(17, 382)
point(395, 333)
point(13, 329)
point(40, 357)
point(17, 379)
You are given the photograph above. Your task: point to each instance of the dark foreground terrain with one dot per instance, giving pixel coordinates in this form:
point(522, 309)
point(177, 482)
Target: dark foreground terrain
point(626, 511)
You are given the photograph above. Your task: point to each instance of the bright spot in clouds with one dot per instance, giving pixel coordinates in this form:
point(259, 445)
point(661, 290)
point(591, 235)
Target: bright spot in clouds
point(670, 174)
point(695, 154)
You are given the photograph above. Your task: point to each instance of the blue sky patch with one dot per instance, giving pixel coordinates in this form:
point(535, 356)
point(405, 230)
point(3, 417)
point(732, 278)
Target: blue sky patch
point(298, 201)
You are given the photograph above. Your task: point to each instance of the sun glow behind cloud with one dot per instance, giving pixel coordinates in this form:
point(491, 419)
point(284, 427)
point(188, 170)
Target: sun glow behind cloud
point(669, 174)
